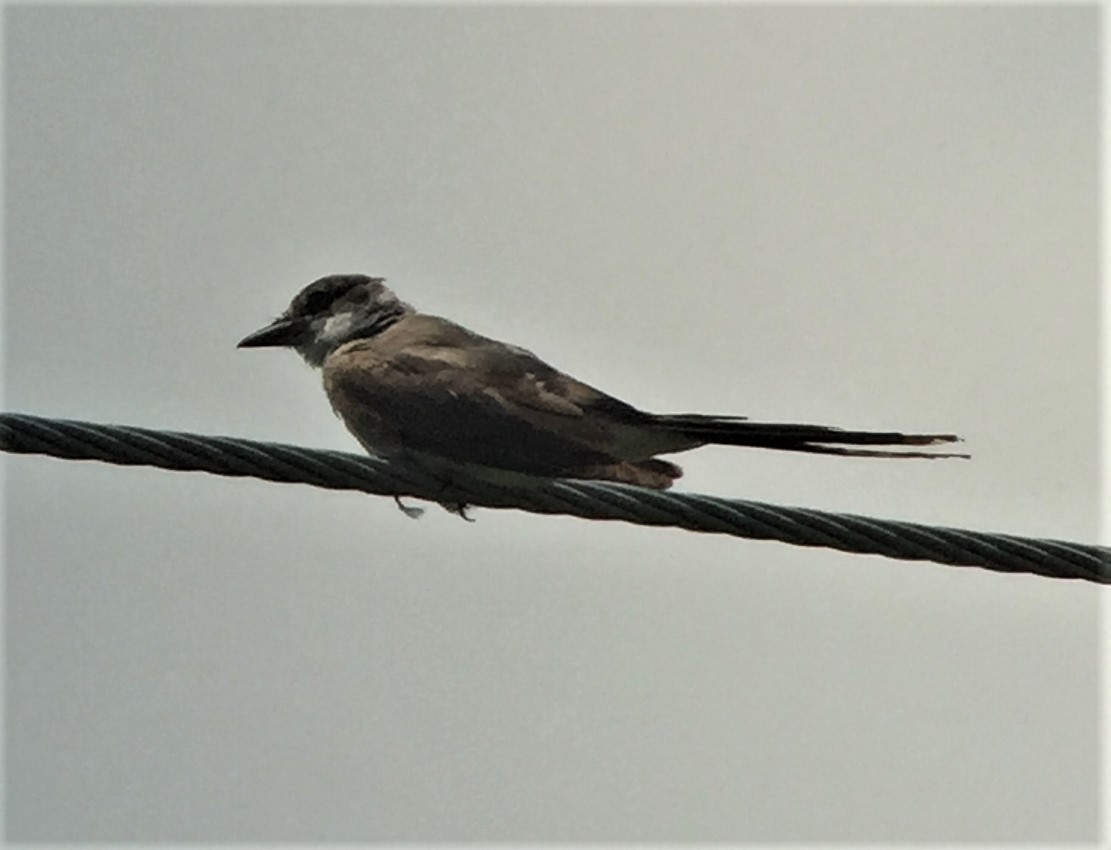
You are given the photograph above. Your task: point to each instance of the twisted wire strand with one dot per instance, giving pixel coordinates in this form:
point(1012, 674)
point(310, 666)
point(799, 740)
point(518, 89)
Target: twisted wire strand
point(230, 456)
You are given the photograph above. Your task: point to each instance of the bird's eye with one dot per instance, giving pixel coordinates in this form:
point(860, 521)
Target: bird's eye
point(322, 295)
point(317, 302)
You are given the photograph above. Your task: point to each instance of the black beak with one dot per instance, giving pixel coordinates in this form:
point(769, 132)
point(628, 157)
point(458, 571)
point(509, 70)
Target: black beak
point(280, 332)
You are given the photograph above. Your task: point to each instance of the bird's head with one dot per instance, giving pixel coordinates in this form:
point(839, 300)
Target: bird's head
point(329, 312)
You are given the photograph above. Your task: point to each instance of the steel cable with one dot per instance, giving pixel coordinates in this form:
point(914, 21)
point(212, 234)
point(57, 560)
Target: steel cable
point(126, 445)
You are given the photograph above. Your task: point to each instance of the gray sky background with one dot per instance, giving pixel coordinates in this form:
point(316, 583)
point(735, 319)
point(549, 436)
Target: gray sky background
point(869, 217)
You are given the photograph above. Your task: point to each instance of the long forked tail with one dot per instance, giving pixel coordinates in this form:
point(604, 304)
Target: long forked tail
point(818, 439)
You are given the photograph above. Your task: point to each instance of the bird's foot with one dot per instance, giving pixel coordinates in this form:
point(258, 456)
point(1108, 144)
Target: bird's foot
point(458, 508)
point(409, 510)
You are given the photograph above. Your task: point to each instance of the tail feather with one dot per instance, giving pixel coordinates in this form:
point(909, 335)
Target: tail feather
point(817, 439)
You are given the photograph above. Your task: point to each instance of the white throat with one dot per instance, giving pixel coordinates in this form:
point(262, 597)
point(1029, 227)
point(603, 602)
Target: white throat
point(328, 335)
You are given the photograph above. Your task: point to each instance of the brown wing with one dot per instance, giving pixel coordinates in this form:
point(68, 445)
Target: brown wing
point(428, 385)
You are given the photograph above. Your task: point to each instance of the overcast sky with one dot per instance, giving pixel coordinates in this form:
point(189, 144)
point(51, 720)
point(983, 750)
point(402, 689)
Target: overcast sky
point(867, 217)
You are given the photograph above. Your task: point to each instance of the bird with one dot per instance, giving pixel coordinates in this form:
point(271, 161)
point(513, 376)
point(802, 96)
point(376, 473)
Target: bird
point(415, 387)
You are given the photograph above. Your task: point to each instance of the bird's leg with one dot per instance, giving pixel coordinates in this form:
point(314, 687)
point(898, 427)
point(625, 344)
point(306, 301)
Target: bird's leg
point(443, 476)
point(409, 510)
